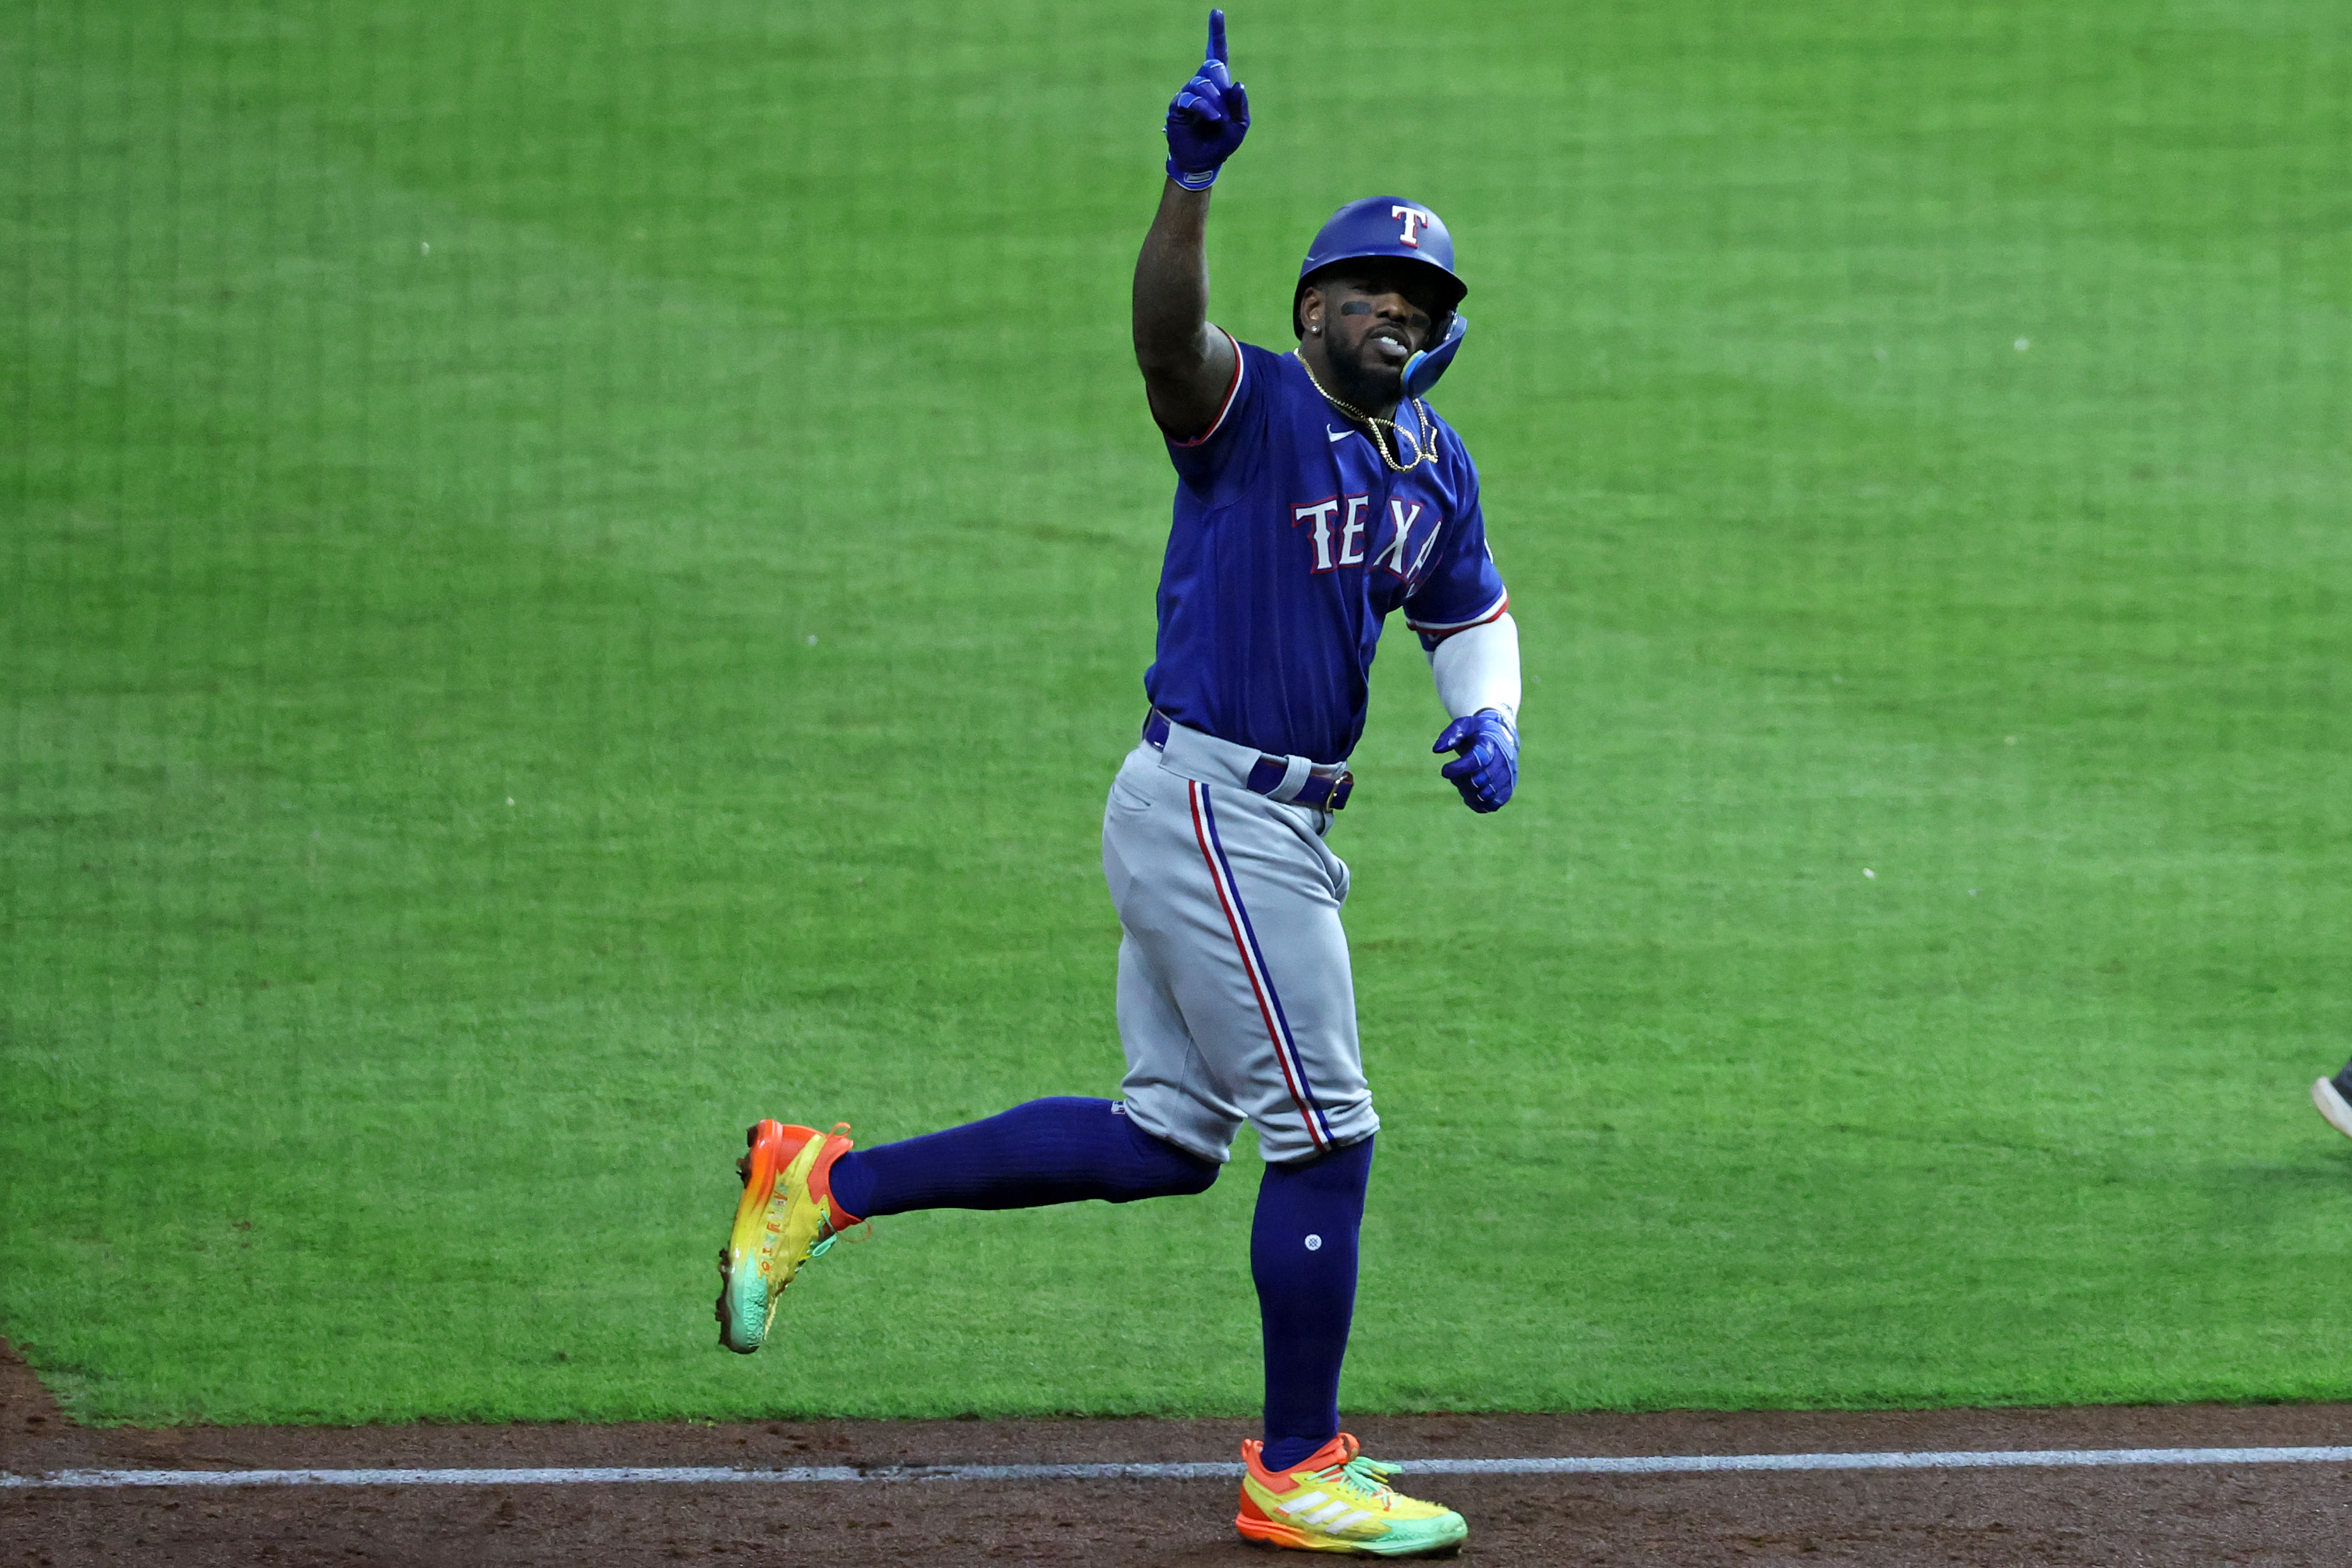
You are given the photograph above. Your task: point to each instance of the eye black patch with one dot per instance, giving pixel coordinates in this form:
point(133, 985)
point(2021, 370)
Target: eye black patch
point(1356, 308)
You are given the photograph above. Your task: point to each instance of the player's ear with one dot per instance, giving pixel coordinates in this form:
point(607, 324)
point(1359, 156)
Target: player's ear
point(1310, 310)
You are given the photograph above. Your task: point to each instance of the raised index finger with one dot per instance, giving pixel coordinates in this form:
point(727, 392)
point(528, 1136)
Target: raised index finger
point(1217, 35)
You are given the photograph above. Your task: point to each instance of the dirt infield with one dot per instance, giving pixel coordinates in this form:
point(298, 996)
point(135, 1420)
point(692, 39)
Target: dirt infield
point(2200, 1515)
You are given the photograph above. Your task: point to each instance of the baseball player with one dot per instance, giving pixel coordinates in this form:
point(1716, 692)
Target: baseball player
point(1316, 493)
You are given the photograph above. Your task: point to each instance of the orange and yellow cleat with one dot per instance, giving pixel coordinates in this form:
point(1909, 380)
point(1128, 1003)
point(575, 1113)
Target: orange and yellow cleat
point(1337, 1501)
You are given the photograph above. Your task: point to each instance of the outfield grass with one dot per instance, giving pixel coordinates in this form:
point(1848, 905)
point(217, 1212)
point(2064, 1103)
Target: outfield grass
point(574, 574)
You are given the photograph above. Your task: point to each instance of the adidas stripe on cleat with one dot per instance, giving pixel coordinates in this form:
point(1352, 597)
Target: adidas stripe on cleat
point(1339, 1501)
point(785, 1217)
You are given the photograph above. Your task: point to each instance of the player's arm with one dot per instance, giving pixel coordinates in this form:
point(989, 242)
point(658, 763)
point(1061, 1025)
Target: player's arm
point(1477, 675)
point(1477, 669)
point(1188, 365)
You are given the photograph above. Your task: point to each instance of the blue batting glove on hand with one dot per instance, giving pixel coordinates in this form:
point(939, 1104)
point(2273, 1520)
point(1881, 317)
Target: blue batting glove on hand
point(1208, 119)
point(1488, 767)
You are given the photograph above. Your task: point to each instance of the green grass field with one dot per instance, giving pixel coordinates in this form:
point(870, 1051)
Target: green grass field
point(574, 574)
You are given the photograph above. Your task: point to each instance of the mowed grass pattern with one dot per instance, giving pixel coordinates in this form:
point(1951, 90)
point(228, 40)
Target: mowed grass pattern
point(574, 576)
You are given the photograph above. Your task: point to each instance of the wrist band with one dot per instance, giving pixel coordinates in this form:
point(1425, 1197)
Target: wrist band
point(1199, 182)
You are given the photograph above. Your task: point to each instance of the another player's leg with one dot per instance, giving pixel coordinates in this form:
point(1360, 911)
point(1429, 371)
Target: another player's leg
point(801, 1189)
point(2333, 1098)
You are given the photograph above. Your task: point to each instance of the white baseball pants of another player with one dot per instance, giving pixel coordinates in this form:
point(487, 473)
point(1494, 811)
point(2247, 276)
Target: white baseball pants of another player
point(1235, 998)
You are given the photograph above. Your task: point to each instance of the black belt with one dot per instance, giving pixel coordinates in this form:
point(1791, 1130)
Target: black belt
point(1326, 788)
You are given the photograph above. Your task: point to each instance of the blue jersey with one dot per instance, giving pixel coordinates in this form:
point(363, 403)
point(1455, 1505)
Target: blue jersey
point(1292, 542)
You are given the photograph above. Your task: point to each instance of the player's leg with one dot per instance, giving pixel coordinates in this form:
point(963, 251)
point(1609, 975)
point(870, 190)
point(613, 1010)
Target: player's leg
point(1303, 1246)
point(1172, 1089)
point(802, 1187)
point(1060, 1150)
point(1235, 999)
point(1246, 1006)
point(1232, 907)
point(1233, 902)
point(1065, 1150)
point(1309, 1485)
point(1306, 1096)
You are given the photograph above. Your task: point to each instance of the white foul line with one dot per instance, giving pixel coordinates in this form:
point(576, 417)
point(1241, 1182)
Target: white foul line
point(1684, 1464)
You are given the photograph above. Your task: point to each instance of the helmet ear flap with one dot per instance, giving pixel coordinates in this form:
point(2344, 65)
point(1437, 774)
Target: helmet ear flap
point(1422, 371)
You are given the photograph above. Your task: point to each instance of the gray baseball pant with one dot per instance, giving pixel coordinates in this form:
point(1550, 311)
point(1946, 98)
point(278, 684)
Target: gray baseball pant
point(1235, 998)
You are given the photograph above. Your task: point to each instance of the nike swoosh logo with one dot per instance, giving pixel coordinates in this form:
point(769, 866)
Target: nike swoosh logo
point(1337, 435)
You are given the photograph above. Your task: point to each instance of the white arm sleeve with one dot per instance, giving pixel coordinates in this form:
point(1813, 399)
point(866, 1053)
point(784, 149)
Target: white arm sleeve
point(1479, 668)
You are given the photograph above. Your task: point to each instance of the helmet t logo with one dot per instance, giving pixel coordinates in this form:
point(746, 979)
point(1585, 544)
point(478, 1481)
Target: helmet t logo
point(1414, 220)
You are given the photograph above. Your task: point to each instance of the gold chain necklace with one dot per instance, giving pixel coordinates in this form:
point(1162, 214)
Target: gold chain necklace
point(1422, 452)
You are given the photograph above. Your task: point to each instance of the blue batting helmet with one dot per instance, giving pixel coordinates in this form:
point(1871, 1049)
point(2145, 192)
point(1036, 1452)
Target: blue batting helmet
point(1391, 228)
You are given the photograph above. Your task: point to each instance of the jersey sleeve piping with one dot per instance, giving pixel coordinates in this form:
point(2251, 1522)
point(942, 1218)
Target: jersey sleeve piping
point(1232, 391)
point(1447, 628)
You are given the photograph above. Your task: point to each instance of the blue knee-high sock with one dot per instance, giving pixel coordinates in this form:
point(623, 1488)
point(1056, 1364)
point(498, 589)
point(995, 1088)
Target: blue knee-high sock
point(1303, 1257)
point(1056, 1150)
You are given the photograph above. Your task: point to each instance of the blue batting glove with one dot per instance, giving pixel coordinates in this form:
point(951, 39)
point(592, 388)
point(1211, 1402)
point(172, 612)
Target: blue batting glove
point(1488, 767)
point(1209, 117)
